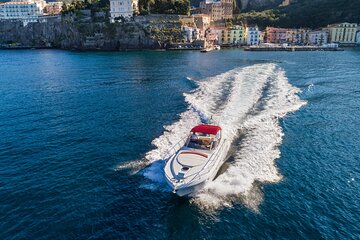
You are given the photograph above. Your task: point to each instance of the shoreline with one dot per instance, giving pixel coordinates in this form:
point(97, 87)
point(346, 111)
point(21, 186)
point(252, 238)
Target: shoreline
point(292, 49)
point(248, 49)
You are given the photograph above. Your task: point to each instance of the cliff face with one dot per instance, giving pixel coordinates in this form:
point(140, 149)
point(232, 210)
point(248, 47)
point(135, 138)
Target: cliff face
point(85, 34)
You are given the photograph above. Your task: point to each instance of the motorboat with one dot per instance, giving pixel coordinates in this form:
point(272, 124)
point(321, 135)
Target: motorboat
point(207, 49)
point(198, 160)
point(217, 47)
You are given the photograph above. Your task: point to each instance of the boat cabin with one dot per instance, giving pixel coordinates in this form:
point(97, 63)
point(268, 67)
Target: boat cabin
point(204, 137)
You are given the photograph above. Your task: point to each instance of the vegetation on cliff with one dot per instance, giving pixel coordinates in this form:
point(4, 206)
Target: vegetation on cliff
point(164, 6)
point(306, 13)
point(181, 7)
point(77, 5)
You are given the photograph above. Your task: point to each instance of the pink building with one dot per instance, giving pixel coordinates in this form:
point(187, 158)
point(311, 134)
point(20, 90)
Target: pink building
point(213, 35)
point(53, 8)
point(276, 35)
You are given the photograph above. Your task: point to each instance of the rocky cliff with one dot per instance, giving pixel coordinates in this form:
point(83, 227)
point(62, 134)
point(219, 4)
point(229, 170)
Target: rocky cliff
point(83, 33)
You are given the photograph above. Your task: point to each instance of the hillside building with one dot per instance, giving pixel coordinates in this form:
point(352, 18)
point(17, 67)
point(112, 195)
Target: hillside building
point(217, 9)
point(214, 35)
point(25, 11)
point(252, 35)
point(276, 35)
point(191, 34)
point(234, 35)
point(237, 35)
point(53, 8)
point(122, 8)
point(318, 38)
point(342, 32)
point(202, 22)
point(224, 38)
point(297, 36)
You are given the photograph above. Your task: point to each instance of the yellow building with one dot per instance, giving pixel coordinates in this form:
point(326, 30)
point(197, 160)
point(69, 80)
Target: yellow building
point(232, 36)
point(225, 36)
point(237, 35)
point(342, 32)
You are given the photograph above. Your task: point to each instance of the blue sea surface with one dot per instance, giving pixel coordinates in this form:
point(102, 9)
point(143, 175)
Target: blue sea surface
point(68, 120)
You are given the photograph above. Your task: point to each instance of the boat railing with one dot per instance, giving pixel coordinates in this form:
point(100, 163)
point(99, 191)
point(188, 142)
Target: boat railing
point(200, 173)
point(173, 149)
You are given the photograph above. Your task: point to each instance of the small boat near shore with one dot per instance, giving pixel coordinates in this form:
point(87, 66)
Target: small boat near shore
point(198, 160)
point(208, 49)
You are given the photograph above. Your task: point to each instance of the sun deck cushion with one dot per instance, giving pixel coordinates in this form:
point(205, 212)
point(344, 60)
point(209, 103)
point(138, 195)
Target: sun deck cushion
point(191, 159)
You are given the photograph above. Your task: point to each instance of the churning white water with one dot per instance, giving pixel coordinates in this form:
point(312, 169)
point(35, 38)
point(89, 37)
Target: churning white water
point(246, 102)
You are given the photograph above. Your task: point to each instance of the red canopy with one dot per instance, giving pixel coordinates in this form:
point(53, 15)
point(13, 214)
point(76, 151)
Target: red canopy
point(207, 129)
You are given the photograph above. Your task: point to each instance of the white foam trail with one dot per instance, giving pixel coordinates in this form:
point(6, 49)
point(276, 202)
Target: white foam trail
point(228, 98)
point(135, 166)
point(254, 160)
point(173, 134)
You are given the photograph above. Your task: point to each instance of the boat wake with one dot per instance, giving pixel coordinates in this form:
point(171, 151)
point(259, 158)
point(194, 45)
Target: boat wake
point(247, 102)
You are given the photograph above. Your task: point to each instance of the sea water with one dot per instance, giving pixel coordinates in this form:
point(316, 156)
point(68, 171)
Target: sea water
point(83, 136)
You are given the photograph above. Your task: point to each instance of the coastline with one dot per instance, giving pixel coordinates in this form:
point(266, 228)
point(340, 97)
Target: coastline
point(289, 49)
point(292, 49)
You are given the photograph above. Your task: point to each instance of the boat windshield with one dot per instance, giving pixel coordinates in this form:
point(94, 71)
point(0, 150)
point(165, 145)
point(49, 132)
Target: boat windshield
point(201, 141)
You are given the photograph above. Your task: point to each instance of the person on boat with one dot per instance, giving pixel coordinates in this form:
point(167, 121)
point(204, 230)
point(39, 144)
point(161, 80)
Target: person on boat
point(200, 142)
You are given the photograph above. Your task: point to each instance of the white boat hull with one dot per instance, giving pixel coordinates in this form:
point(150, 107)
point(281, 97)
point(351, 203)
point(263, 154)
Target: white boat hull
point(191, 182)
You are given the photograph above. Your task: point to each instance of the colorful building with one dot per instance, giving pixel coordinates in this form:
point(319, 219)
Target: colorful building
point(252, 35)
point(53, 8)
point(276, 35)
point(318, 38)
point(202, 22)
point(224, 38)
point(217, 9)
point(297, 36)
point(214, 34)
point(234, 35)
point(342, 32)
point(261, 37)
point(237, 35)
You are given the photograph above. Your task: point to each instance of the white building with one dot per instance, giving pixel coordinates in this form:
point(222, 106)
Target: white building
point(191, 34)
point(122, 8)
point(358, 37)
point(318, 38)
point(252, 35)
point(26, 11)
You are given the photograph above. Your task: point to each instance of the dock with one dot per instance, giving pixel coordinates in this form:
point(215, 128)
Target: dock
point(291, 48)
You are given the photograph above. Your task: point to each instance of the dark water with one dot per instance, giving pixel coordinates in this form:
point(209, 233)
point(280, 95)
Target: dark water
point(68, 119)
